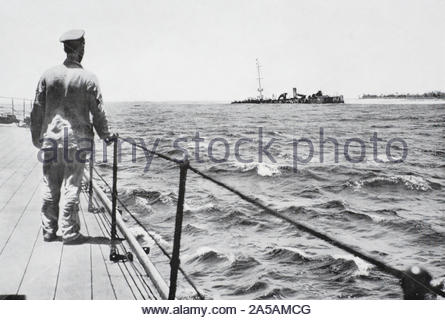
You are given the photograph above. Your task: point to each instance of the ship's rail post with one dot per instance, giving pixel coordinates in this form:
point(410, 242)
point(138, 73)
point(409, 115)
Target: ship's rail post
point(90, 182)
point(114, 191)
point(175, 261)
point(114, 254)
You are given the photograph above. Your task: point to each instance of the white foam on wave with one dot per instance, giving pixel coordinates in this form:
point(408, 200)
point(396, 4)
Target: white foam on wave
point(267, 170)
point(196, 208)
point(298, 251)
point(410, 182)
point(376, 218)
point(362, 266)
point(263, 169)
point(145, 203)
point(201, 251)
point(415, 183)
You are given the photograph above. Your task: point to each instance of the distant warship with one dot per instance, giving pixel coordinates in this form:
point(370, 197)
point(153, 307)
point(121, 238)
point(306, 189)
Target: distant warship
point(317, 98)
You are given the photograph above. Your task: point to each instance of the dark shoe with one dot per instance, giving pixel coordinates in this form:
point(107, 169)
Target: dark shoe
point(49, 237)
point(80, 239)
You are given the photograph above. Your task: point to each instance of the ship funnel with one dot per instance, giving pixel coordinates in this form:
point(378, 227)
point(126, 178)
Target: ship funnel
point(295, 92)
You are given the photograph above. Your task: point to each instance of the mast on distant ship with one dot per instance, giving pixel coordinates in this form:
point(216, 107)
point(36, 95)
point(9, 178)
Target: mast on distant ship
point(260, 89)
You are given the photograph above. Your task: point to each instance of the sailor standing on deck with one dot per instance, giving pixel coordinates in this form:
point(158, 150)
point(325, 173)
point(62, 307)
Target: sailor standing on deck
point(61, 128)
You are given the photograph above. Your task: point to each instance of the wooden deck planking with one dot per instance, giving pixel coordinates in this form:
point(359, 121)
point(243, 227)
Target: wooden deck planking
point(75, 273)
point(7, 172)
point(31, 173)
point(12, 259)
point(33, 264)
point(13, 159)
point(121, 279)
point(7, 158)
point(102, 285)
point(40, 279)
point(42, 270)
point(15, 207)
point(11, 143)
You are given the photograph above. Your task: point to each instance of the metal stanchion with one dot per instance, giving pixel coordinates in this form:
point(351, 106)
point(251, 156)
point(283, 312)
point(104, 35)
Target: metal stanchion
point(114, 191)
point(175, 261)
point(114, 252)
point(90, 183)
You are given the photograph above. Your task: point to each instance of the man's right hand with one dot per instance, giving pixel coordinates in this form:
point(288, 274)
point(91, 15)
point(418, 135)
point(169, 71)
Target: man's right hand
point(111, 138)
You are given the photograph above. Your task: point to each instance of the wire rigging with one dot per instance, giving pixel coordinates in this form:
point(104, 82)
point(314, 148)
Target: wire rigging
point(379, 264)
point(163, 250)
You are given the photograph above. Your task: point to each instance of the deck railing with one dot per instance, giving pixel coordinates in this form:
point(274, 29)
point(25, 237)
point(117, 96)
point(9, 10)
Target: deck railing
point(12, 105)
point(413, 284)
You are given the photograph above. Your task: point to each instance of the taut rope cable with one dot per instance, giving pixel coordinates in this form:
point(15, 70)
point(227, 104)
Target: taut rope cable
point(379, 264)
point(160, 155)
point(190, 281)
point(164, 251)
point(17, 98)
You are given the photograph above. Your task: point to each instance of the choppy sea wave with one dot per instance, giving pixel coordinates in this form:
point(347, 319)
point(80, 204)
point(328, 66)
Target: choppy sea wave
point(393, 211)
point(406, 181)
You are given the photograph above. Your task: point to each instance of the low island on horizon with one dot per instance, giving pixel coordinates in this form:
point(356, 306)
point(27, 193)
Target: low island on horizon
point(426, 95)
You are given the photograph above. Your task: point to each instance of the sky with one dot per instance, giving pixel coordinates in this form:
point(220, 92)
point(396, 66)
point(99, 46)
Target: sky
point(144, 50)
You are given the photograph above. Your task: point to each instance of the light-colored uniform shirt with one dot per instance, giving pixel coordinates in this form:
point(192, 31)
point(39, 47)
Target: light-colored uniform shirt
point(66, 96)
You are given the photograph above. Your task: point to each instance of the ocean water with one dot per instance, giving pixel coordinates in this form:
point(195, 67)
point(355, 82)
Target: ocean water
point(232, 250)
